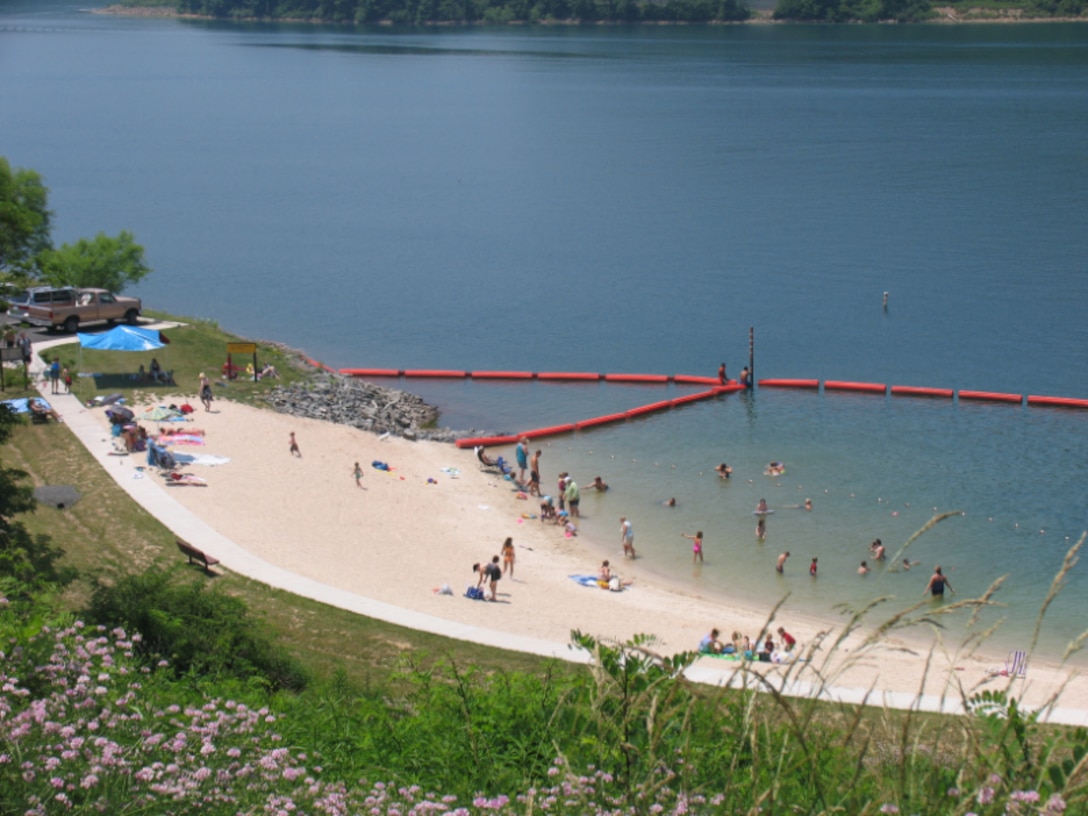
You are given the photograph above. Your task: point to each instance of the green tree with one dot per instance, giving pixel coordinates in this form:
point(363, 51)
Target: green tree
point(24, 219)
point(103, 262)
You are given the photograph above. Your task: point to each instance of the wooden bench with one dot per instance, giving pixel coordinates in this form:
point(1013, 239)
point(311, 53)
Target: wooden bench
point(193, 553)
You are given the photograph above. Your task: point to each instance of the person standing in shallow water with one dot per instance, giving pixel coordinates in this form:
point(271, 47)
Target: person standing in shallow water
point(696, 546)
point(937, 584)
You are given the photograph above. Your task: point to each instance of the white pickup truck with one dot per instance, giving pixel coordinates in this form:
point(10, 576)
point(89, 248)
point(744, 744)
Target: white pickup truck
point(70, 308)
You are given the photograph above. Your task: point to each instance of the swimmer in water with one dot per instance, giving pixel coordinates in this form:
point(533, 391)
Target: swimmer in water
point(724, 471)
point(669, 503)
point(762, 506)
point(808, 504)
point(863, 569)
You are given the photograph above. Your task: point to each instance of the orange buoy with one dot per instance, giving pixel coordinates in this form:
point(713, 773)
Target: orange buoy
point(690, 380)
point(568, 375)
point(1058, 402)
point(501, 375)
point(637, 378)
point(785, 383)
point(914, 391)
point(601, 420)
point(991, 396)
point(866, 388)
point(552, 431)
point(485, 441)
point(649, 409)
point(370, 372)
point(433, 372)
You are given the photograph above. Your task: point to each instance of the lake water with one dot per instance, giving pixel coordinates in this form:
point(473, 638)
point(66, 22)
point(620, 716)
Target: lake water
point(634, 199)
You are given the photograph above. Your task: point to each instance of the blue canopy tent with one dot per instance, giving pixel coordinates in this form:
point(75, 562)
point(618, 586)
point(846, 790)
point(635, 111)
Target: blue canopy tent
point(123, 338)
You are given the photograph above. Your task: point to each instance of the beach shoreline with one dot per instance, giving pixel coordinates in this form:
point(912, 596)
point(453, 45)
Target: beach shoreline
point(422, 524)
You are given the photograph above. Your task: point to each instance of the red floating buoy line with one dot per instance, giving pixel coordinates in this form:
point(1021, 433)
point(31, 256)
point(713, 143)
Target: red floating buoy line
point(717, 388)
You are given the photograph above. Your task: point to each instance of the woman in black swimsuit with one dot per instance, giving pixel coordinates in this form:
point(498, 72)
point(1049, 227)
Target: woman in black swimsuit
point(937, 583)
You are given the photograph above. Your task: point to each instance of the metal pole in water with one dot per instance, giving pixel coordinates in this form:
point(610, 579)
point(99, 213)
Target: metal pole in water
point(751, 356)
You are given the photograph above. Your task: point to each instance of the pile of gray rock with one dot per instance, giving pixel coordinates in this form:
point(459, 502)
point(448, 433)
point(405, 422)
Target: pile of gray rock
point(364, 405)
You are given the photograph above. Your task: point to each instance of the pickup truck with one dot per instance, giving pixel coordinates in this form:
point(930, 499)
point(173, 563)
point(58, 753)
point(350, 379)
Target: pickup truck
point(69, 308)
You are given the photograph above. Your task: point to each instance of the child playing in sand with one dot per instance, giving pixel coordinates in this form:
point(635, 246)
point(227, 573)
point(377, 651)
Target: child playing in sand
point(357, 473)
point(696, 546)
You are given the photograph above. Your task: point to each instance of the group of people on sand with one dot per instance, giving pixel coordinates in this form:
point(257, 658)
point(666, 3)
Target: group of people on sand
point(742, 646)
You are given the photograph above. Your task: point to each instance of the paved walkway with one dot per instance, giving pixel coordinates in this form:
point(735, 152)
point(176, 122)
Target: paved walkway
point(158, 502)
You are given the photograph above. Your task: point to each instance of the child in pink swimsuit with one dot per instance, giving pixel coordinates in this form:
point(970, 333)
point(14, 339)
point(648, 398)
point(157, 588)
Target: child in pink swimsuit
point(696, 546)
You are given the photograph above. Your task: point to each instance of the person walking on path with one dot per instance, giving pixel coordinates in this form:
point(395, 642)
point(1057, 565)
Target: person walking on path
point(358, 474)
point(937, 584)
point(696, 546)
point(54, 375)
point(66, 376)
point(534, 474)
point(627, 537)
point(294, 446)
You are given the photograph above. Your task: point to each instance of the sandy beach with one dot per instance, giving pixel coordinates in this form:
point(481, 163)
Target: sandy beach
point(436, 512)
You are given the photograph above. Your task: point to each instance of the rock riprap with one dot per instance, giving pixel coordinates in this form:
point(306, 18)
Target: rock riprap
point(364, 405)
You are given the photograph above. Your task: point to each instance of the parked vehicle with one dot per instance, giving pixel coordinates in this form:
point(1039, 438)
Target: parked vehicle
point(69, 308)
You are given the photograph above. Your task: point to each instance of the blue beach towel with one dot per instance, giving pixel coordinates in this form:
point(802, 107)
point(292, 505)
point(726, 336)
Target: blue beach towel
point(585, 580)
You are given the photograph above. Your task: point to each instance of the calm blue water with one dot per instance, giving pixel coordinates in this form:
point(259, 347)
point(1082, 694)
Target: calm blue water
point(634, 200)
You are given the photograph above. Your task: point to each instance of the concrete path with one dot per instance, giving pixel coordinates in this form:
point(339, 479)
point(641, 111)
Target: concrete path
point(158, 502)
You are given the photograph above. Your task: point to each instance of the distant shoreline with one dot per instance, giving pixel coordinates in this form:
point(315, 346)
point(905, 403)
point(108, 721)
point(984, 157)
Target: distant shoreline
point(946, 16)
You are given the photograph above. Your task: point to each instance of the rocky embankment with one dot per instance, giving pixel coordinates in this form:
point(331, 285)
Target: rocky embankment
point(363, 405)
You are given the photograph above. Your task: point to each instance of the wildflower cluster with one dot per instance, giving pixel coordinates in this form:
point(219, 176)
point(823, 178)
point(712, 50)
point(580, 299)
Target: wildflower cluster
point(83, 728)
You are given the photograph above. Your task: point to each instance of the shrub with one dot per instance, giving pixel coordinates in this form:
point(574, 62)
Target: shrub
point(201, 631)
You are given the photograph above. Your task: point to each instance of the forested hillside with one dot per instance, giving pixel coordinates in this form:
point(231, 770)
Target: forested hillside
point(421, 12)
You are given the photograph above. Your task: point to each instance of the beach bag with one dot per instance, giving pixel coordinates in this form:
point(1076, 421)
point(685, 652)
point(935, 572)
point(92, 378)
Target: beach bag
point(474, 593)
point(614, 584)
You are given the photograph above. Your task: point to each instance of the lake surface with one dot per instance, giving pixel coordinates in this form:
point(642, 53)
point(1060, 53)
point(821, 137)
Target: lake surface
point(634, 199)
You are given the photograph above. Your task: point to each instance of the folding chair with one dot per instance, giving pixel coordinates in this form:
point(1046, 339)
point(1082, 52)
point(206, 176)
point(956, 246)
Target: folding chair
point(1016, 665)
